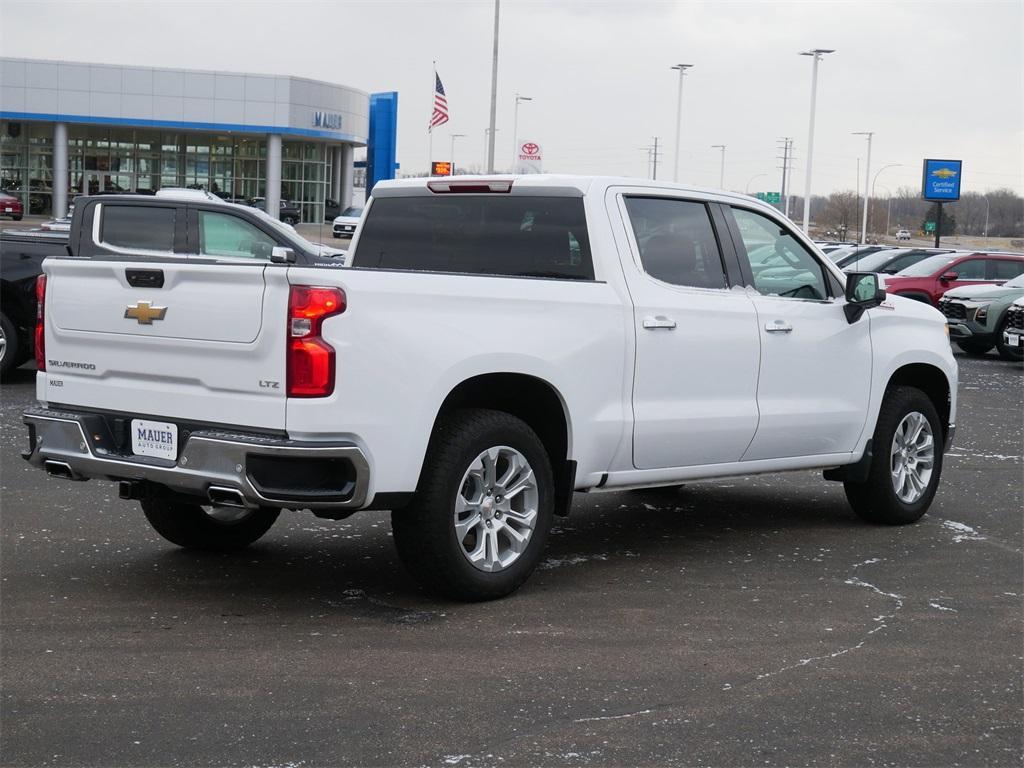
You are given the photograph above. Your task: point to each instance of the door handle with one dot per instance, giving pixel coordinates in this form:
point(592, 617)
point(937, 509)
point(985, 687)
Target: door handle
point(778, 326)
point(659, 321)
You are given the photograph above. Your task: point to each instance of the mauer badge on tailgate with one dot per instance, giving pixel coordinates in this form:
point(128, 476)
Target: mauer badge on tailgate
point(144, 312)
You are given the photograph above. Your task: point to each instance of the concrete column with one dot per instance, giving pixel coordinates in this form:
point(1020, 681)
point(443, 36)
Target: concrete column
point(273, 202)
point(336, 162)
point(345, 197)
point(60, 170)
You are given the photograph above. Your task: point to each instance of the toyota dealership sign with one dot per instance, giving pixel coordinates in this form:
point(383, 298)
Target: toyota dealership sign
point(528, 157)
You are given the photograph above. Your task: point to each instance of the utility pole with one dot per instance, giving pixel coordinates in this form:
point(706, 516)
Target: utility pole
point(721, 170)
point(652, 158)
point(867, 187)
point(816, 53)
point(679, 115)
point(494, 90)
point(783, 195)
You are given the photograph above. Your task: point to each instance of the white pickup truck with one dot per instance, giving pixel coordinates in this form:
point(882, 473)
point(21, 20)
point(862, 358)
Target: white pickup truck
point(494, 345)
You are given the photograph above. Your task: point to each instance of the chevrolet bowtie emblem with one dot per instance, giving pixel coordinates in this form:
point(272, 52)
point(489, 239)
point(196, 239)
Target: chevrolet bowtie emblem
point(144, 312)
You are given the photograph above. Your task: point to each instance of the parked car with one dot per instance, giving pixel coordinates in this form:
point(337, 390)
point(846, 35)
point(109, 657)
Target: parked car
point(930, 278)
point(290, 212)
point(903, 234)
point(11, 206)
point(888, 260)
point(386, 387)
point(1013, 327)
point(853, 251)
point(977, 317)
point(21, 259)
point(346, 222)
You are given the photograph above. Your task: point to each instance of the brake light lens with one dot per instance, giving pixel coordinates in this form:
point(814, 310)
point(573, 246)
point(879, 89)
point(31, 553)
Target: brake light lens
point(474, 186)
point(39, 337)
point(310, 358)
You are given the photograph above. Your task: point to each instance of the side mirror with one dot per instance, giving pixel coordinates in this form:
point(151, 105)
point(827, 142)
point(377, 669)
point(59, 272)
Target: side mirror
point(949, 276)
point(281, 255)
point(863, 291)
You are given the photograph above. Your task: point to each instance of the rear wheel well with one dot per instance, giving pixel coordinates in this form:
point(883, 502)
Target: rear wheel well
point(930, 380)
point(535, 402)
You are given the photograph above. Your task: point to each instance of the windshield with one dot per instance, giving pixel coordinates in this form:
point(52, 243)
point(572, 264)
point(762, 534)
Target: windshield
point(354, 212)
point(929, 266)
point(1017, 282)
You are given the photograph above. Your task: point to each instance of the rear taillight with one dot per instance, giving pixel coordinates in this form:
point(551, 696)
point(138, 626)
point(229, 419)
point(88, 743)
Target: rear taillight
point(39, 340)
point(310, 358)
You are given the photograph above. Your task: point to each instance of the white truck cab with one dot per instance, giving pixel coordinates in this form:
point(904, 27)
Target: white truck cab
point(496, 344)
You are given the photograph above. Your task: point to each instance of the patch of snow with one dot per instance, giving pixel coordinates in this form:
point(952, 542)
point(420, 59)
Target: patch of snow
point(963, 532)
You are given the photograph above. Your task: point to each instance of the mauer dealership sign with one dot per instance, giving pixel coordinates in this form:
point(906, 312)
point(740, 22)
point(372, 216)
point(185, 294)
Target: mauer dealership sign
point(329, 120)
point(528, 158)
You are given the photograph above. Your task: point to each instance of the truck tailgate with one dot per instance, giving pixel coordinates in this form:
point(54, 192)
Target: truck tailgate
point(177, 340)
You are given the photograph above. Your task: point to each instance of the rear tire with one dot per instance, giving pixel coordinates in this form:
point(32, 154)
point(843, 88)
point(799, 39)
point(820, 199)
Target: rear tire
point(1005, 351)
point(11, 355)
point(877, 500)
point(456, 488)
point(192, 526)
point(976, 348)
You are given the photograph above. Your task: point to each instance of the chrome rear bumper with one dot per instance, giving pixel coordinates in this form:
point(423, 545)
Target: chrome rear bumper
point(257, 470)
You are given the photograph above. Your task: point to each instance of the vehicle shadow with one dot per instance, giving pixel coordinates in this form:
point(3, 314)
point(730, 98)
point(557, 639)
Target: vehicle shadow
point(350, 567)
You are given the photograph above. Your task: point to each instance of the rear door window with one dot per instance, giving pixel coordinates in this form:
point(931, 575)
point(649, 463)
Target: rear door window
point(138, 227)
point(677, 242)
point(1004, 269)
point(478, 234)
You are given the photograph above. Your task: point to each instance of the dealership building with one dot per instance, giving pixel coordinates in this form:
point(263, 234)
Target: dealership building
point(104, 128)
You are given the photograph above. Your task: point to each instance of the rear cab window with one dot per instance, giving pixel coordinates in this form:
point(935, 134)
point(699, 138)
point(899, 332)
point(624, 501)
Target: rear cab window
point(478, 234)
point(138, 227)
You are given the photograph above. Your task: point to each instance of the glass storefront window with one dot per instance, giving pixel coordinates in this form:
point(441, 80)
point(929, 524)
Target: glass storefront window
point(144, 160)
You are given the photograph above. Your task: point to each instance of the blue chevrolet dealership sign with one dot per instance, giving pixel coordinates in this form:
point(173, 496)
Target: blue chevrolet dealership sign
point(941, 180)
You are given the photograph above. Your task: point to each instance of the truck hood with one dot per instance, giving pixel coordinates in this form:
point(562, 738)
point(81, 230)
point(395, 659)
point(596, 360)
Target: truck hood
point(983, 291)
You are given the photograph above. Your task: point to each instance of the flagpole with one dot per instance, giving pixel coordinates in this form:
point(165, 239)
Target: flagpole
point(430, 128)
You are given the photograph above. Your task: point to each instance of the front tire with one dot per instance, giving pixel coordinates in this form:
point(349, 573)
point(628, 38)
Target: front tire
point(906, 461)
point(195, 526)
point(1005, 350)
point(480, 519)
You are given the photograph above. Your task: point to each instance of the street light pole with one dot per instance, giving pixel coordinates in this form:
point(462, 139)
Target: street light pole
point(889, 194)
point(679, 114)
point(515, 129)
point(817, 54)
point(867, 187)
point(721, 172)
point(746, 189)
point(494, 90)
point(454, 137)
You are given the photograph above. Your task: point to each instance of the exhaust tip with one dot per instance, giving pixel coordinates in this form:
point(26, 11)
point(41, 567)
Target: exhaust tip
point(226, 497)
point(59, 469)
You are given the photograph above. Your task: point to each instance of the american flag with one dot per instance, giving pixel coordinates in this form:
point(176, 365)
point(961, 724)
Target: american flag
point(440, 115)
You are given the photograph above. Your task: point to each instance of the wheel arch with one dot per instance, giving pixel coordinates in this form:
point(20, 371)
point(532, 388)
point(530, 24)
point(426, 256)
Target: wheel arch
point(536, 402)
point(931, 380)
point(921, 296)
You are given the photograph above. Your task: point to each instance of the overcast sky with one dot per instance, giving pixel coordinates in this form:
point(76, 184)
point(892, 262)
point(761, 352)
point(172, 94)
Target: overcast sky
point(931, 79)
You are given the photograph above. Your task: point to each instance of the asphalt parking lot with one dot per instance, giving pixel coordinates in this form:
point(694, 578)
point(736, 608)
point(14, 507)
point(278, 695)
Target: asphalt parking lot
point(740, 622)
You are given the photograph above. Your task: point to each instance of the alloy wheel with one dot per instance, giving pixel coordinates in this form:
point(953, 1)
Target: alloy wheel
point(912, 457)
point(496, 508)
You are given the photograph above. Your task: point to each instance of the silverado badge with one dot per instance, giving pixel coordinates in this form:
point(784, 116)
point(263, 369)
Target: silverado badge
point(144, 312)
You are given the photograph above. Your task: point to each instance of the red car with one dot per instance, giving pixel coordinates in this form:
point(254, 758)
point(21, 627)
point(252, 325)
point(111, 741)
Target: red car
point(928, 279)
point(11, 206)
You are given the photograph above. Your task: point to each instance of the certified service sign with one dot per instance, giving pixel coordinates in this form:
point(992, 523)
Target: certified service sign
point(941, 180)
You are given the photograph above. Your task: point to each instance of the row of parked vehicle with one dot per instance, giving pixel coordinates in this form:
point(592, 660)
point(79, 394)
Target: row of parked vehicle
point(980, 293)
